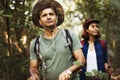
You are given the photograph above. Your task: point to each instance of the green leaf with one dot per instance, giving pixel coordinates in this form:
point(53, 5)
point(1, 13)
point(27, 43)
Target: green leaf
point(1, 12)
point(7, 15)
point(98, 74)
point(19, 10)
point(88, 73)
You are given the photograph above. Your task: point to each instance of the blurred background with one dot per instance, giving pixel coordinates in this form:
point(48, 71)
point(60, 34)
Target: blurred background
point(17, 30)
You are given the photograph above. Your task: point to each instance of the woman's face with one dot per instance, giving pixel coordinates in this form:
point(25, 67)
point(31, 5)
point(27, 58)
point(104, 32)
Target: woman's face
point(93, 29)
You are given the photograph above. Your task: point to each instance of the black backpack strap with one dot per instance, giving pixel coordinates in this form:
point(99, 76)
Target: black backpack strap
point(37, 52)
point(36, 45)
point(68, 39)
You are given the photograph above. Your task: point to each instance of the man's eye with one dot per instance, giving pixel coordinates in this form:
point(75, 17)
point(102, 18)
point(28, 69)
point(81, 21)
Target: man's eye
point(51, 14)
point(44, 15)
point(92, 26)
point(97, 26)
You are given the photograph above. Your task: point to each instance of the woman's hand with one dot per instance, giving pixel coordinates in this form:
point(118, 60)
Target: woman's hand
point(108, 69)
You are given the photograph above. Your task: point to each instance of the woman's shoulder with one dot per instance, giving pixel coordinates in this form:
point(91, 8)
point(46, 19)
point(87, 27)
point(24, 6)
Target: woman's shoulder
point(102, 41)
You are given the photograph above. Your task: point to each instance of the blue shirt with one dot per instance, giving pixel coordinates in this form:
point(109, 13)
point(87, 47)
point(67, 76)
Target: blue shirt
point(101, 55)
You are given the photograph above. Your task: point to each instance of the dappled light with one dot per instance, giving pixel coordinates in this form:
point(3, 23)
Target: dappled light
point(23, 39)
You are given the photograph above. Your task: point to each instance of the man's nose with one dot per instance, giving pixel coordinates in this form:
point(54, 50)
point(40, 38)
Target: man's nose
point(48, 16)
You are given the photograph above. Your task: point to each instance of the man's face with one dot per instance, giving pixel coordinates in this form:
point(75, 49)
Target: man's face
point(48, 18)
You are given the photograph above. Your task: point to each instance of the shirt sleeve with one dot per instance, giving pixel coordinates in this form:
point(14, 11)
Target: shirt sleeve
point(32, 52)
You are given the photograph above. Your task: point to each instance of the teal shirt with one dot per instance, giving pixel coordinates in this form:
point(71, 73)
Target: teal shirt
point(57, 57)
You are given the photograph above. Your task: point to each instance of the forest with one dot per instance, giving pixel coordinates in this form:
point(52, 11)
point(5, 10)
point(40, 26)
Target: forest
point(17, 30)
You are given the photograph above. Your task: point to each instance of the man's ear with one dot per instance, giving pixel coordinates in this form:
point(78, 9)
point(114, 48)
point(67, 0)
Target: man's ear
point(87, 30)
point(56, 19)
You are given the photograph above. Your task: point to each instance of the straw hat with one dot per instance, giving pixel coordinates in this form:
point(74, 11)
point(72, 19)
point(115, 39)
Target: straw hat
point(43, 4)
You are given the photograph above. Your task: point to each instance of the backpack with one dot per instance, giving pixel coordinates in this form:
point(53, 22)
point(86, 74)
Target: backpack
point(102, 43)
point(37, 45)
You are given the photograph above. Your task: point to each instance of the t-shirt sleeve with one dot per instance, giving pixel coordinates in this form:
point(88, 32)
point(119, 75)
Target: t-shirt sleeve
point(32, 52)
point(76, 41)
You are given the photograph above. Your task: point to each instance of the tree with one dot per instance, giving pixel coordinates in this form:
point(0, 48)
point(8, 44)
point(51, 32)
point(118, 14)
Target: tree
point(16, 33)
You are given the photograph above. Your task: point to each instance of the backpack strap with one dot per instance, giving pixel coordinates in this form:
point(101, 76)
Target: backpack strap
point(102, 44)
point(37, 52)
point(68, 39)
point(82, 42)
point(36, 47)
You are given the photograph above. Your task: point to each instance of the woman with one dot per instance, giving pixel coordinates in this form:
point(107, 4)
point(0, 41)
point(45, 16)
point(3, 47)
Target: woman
point(94, 49)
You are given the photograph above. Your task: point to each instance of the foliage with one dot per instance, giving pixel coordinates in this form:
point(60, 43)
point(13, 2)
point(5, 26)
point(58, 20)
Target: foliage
point(15, 28)
point(98, 74)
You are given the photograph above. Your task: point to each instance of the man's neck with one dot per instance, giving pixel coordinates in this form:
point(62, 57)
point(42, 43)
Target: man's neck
point(50, 34)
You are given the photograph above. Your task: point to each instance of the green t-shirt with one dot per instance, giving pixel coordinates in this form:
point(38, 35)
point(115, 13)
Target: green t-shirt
point(57, 57)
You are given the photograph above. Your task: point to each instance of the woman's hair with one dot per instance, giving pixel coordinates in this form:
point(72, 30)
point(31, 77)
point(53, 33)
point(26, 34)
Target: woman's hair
point(85, 35)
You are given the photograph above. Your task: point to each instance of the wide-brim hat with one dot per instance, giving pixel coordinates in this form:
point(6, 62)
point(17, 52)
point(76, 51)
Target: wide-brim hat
point(89, 21)
point(43, 4)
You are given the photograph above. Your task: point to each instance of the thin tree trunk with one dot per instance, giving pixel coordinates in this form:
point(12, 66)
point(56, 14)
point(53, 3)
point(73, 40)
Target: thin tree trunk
point(8, 31)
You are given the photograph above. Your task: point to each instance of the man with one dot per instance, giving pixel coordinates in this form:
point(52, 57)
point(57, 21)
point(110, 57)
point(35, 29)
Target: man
point(62, 64)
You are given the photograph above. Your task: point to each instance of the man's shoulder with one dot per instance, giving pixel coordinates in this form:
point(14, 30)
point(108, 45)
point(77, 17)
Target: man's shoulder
point(33, 40)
